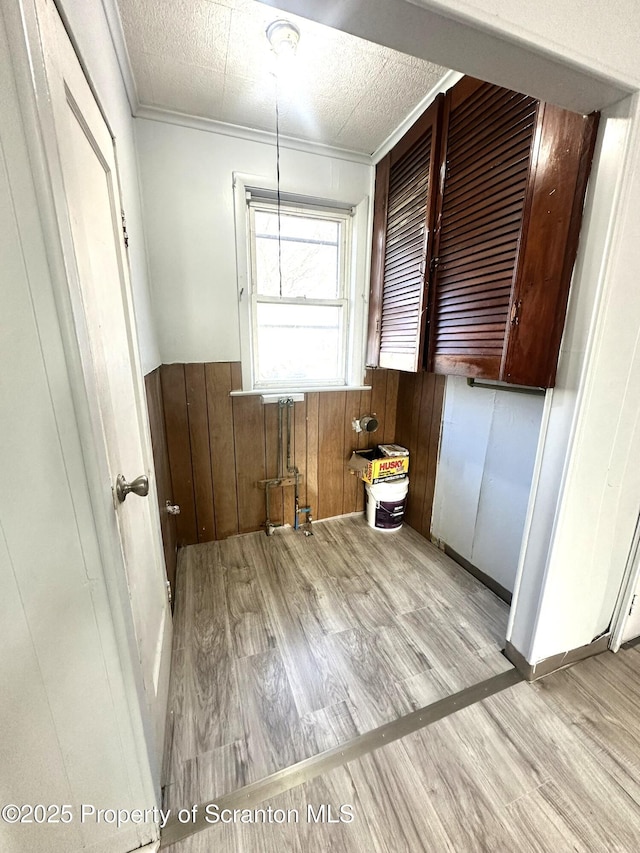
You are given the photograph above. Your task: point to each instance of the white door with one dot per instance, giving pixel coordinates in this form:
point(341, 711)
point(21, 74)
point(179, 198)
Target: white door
point(99, 272)
point(627, 626)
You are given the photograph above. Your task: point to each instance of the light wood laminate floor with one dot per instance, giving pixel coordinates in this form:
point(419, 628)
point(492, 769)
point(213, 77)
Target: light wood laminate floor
point(549, 766)
point(284, 645)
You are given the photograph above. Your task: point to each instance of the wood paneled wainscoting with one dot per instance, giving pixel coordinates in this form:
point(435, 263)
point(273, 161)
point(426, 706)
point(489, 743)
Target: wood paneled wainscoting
point(418, 424)
point(219, 447)
point(155, 406)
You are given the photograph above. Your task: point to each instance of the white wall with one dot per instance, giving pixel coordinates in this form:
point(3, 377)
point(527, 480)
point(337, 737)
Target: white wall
point(186, 178)
point(487, 454)
point(68, 732)
point(88, 24)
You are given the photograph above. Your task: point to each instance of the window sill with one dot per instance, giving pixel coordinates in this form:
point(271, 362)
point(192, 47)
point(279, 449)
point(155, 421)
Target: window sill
point(286, 392)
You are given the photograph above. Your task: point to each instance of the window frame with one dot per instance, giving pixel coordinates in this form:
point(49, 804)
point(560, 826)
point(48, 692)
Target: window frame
point(309, 210)
point(246, 187)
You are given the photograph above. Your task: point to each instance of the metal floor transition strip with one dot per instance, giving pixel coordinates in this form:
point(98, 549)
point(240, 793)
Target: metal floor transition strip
point(290, 777)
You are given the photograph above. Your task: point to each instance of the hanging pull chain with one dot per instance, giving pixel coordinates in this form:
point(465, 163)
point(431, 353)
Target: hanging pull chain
point(278, 186)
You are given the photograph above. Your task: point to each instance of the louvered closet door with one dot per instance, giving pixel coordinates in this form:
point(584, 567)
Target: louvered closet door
point(409, 210)
point(488, 139)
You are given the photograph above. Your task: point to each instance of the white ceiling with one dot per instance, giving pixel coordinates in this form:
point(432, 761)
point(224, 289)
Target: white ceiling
point(211, 58)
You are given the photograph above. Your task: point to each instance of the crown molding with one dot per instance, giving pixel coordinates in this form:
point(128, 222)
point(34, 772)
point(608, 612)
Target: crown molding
point(266, 137)
point(239, 132)
point(446, 82)
point(122, 55)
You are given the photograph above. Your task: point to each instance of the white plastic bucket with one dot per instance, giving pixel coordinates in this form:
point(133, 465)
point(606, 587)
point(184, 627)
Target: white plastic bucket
point(386, 503)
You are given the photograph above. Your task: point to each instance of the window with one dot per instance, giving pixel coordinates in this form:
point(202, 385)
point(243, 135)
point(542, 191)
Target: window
point(300, 293)
point(304, 329)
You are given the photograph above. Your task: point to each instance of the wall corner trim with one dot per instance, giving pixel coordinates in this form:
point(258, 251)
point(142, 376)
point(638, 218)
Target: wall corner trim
point(114, 23)
point(532, 672)
point(446, 82)
point(236, 131)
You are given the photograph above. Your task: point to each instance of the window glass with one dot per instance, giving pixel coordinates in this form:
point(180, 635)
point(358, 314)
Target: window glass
point(299, 295)
point(300, 343)
point(310, 256)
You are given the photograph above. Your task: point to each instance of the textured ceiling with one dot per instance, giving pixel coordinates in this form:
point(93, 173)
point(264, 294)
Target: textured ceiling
point(211, 58)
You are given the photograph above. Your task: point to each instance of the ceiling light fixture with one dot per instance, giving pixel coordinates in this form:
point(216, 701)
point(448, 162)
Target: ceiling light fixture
point(283, 37)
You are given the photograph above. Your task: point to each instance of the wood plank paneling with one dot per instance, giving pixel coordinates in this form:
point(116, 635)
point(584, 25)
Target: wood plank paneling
point(248, 420)
point(378, 405)
point(389, 431)
point(312, 452)
point(236, 375)
point(407, 435)
point(433, 451)
point(220, 446)
point(351, 482)
point(418, 418)
point(271, 459)
point(420, 461)
point(176, 419)
point(153, 388)
point(300, 448)
point(363, 437)
point(365, 408)
point(331, 453)
point(288, 492)
point(200, 452)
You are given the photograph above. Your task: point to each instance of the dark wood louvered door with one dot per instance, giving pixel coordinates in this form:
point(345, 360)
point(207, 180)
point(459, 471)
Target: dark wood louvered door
point(486, 157)
point(402, 241)
point(553, 214)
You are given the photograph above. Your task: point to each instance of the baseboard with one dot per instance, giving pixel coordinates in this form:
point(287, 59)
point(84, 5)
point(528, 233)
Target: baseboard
point(286, 526)
point(496, 588)
point(552, 664)
point(359, 512)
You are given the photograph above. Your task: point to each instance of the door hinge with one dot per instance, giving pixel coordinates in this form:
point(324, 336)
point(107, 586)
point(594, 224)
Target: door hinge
point(515, 312)
point(433, 265)
point(633, 604)
point(124, 230)
point(169, 595)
